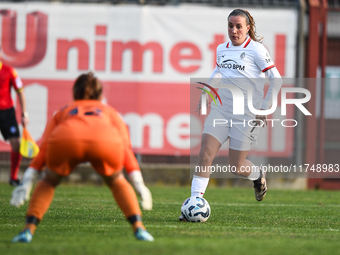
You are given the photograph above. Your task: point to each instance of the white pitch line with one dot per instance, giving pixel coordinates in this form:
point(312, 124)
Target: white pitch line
point(184, 226)
point(262, 204)
point(219, 204)
point(212, 203)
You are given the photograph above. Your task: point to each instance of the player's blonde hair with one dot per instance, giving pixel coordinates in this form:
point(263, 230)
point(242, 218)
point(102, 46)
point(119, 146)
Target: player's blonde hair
point(87, 86)
point(250, 21)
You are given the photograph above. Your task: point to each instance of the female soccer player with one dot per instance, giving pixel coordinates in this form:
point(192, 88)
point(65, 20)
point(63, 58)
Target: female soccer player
point(242, 62)
point(85, 130)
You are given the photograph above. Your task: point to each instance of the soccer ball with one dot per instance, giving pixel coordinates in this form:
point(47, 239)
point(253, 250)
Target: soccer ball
point(196, 209)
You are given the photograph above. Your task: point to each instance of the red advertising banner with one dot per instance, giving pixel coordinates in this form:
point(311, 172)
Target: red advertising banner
point(145, 56)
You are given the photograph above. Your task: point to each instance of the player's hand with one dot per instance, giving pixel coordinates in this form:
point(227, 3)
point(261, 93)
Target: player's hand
point(209, 104)
point(19, 195)
point(199, 106)
point(146, 198)
point(261, 120)
point(22, 193)
point(198, 109)
point(24, 119)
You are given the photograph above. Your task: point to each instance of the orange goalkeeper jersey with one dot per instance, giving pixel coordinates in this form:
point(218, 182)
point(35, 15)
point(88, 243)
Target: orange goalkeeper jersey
point(86, 130)
point(87, 120)
point(130, 162)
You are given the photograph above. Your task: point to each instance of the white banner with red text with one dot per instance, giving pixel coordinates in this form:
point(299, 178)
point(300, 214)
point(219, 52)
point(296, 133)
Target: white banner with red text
point(145, 57)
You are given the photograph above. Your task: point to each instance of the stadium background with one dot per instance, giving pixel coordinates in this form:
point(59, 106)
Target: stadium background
point(145, 52)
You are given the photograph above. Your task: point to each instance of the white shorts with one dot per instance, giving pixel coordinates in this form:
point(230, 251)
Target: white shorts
point(240, 129)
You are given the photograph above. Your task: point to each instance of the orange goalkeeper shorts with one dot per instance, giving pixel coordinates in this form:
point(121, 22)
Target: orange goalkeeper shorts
point(106, 157)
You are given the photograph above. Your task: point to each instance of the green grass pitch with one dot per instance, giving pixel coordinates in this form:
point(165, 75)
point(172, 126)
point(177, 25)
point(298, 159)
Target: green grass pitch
point(85, 220)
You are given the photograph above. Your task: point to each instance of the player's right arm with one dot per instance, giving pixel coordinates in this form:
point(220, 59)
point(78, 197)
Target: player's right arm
point(38, 163)
point(22, 193)
point(214, 80)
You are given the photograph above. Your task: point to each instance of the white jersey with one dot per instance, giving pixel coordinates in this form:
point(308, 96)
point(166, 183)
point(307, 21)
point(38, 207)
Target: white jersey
point(244, 66)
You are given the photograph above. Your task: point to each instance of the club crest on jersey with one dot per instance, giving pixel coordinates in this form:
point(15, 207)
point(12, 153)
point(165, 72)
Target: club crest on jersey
point(243, 55)
point(231, 64)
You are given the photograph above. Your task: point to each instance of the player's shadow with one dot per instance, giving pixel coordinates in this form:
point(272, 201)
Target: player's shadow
point(7, 243)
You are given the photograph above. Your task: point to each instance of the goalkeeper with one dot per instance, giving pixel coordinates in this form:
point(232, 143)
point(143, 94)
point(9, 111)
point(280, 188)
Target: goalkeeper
point(85, 130)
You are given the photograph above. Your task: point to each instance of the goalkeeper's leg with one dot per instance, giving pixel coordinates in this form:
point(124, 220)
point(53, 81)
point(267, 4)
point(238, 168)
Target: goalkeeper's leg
point(39, 204)
point(128, 203)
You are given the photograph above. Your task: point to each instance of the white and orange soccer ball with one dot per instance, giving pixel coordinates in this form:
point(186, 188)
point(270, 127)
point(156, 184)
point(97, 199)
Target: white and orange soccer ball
point(196, 209)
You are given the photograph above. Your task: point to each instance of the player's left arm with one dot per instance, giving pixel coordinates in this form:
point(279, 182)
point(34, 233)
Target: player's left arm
point(267, 66)
point(131, 163)
point(119, 123)
point(275, 83)
point(136, 178)
point(22, 100)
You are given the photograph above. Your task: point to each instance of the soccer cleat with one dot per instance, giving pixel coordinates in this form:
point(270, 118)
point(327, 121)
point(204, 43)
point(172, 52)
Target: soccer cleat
point(182, 218)
point(143, 235)
point(14, 183)
point(260, 186)
point(23, 237)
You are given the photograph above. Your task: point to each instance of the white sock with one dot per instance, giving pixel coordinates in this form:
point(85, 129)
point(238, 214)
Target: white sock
point(255, 173)
point(198, 186)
